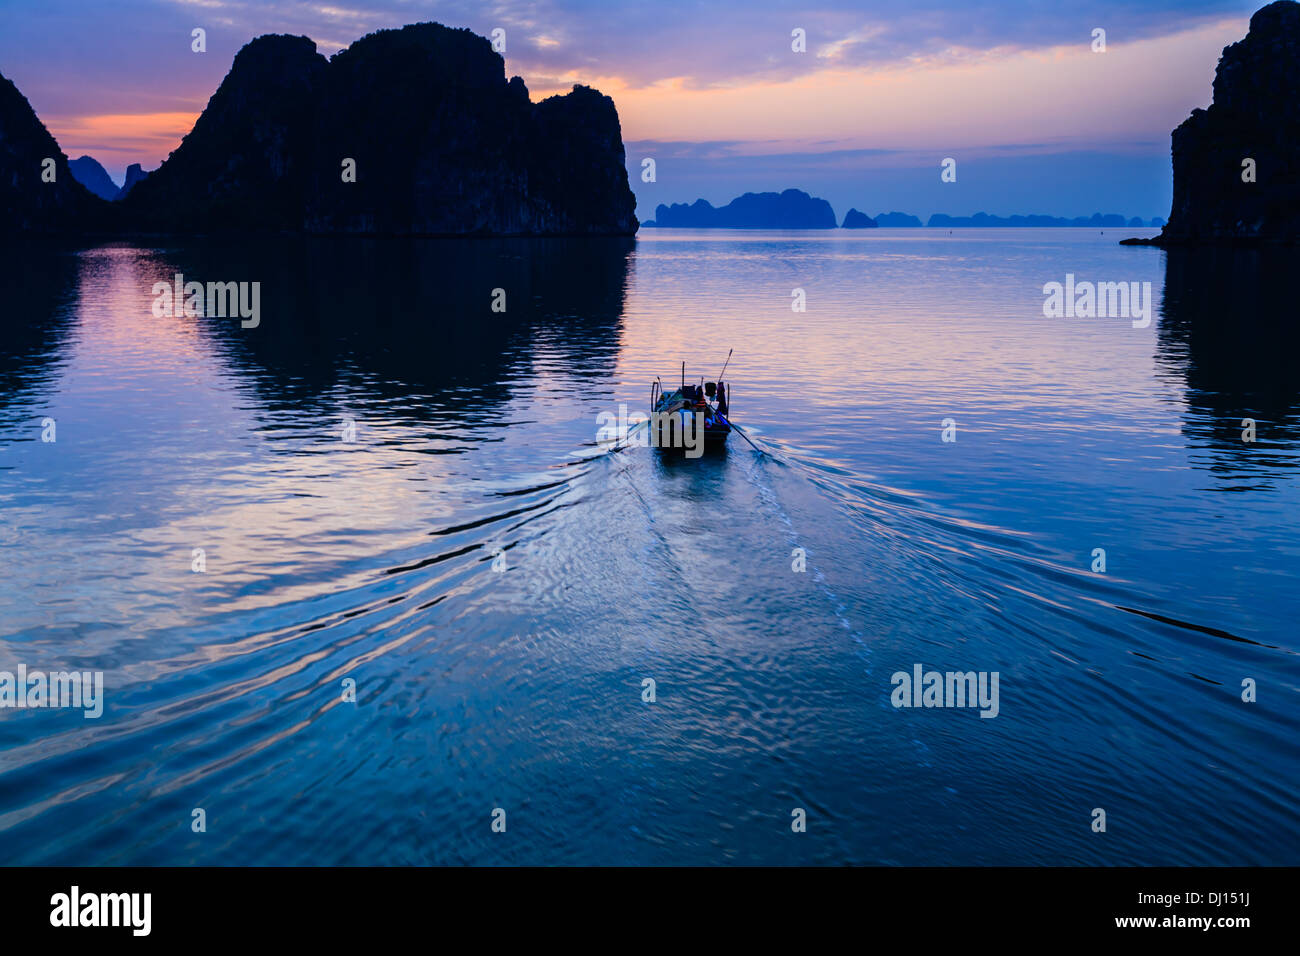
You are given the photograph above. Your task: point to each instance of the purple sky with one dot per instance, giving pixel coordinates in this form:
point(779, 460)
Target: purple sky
point(1037, 120)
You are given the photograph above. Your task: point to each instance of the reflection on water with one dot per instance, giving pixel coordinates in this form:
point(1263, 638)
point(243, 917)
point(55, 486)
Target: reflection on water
point(37, 285)
point(390, 482)
point(420, 324)
point(1228, 330)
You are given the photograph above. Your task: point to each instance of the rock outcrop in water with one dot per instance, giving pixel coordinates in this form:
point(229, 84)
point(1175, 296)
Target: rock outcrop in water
point(1255, 117)
point(792, 209)
point(443, 144)
point(246, 163)
point(414, 131)
point(858, 220)
point(38, 192)
point(87, 171)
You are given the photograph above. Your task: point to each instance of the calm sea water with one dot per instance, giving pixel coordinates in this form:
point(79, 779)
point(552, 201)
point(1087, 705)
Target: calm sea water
point(377, 559)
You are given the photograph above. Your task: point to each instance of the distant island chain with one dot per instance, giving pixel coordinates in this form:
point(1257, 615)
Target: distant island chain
point(796, 209)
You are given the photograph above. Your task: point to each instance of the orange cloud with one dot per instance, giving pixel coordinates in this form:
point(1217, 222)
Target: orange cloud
point(1062, 95)
point(119, 139)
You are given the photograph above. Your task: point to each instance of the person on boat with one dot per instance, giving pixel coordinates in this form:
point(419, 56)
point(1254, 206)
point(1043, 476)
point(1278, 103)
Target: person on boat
point(722, 399)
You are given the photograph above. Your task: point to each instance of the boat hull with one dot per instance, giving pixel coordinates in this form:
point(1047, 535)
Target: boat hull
point(667, 435)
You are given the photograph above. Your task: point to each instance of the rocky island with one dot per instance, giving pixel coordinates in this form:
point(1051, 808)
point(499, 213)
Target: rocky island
point(898, 220)
point(38, 193)
point(853, 219)
point(414, 131)
point(1236, 170)
point(791, 209)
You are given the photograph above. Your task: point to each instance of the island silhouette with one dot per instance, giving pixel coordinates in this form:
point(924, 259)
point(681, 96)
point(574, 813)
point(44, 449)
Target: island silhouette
point(1236, 174)
point(796, 209)
point(413, 131)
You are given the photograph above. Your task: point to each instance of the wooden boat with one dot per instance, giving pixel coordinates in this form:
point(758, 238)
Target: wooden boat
point(671, 413)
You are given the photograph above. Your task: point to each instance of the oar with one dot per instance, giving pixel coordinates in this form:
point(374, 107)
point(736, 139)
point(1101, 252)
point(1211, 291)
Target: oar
point(742, 433)
point(616, 445)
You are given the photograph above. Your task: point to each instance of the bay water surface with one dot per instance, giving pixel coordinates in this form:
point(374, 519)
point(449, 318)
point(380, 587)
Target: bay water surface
point(391, 483)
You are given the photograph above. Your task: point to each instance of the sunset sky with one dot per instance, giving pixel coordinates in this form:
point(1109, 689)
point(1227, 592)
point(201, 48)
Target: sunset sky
point(1038, 122)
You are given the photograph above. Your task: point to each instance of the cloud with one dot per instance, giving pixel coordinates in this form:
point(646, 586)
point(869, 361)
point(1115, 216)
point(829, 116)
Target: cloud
point(1063, 97)
point(117, 140)
point(722, 44)
point(836, 50)
point(933, 75)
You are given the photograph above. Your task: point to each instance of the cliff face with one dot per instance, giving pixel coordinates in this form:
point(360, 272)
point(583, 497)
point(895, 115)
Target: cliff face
point(246, 163)
point(27, 203)
point(1255, 115)
point(577, 169)
point(430, 131)
point(444, 145)
point(441, 142)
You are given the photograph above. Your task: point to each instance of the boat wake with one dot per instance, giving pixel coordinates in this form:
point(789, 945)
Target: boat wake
point(766, 596)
